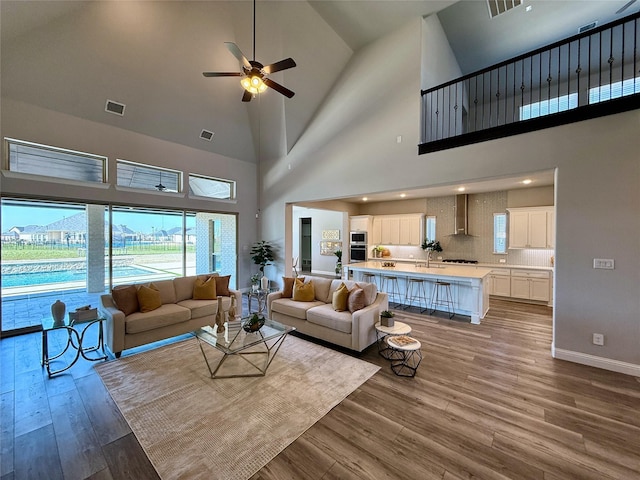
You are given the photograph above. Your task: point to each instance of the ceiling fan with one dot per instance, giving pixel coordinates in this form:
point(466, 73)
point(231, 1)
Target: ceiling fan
point(254, 74)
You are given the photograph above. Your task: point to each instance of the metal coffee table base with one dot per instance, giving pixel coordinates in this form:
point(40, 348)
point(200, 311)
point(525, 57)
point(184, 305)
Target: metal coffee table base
point(257, 371)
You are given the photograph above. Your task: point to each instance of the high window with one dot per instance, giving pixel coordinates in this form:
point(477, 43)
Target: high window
point(147, 177)
point(547, 107)
point(610, 91)
point(35, 159)
point(210, 187)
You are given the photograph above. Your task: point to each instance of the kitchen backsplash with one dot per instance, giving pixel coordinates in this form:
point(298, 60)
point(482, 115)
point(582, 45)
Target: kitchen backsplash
point(478, 246)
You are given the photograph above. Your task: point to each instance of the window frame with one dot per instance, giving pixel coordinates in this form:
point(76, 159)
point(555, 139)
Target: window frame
point(154, 169)
point(503, 234)
point(232, 187)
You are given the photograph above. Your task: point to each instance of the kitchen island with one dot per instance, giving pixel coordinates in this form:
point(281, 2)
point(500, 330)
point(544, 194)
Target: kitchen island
point(470, 297)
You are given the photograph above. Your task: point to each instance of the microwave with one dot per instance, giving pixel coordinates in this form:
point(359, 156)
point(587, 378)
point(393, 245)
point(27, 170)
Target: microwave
point(358, 238)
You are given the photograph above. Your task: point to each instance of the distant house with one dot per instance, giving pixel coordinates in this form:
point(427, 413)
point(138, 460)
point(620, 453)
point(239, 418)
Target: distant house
point(175, 234)
point(28, 234)
point(69, 230)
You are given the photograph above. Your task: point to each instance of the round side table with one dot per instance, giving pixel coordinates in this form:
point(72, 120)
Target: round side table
point(399, 328)
point(409, 355)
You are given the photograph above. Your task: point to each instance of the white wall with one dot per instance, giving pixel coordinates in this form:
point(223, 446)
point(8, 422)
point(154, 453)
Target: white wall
point(28, 122)
point(320, 220)
point(351, 149)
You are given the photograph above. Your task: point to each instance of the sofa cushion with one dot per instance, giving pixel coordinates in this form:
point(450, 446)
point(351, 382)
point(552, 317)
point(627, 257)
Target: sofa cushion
point(326, 316)
point(163, 316)
point(183, 287)
point(322, 286)
point(304, 291)
point(287, 286)
point(126, 298)
point(148, 298)
point(222, 285)
point(288, 306)
point(357, 300)
point(370, 289)
point(340, 297)
point(203, 308)
point(166, 289)
point(204, 289)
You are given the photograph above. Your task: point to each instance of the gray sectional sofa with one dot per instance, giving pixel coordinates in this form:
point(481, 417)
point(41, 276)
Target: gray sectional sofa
point(319, 319)
point(178, 314)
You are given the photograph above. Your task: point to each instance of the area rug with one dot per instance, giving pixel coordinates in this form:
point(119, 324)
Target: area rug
point(192, 426)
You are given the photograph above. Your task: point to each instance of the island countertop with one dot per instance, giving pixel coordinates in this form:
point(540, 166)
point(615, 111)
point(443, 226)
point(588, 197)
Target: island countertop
point(413, 270)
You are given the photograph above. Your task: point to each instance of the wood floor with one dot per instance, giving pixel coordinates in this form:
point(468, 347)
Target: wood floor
point(488, 402)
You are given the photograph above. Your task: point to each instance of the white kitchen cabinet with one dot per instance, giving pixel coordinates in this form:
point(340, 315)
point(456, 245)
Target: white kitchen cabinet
point(529, 227)
point(500, 282)
point(360, 223)
point(530, 285)
point(397, 230)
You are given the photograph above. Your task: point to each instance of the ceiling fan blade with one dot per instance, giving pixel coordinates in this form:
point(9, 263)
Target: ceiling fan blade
point(222, 74)
point(247, 96)
point(236, 52)
point(278, 66)
point(278, 88)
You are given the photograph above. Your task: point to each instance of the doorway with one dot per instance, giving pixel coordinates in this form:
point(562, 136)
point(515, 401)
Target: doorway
point(305, 244)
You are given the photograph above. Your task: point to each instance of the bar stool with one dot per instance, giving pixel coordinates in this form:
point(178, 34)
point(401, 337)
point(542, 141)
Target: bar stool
point(369, 277)
point(443, 299)
point(416, 292)
point(389, 284)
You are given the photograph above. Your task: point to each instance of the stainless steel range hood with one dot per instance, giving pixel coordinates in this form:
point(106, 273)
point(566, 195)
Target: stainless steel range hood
point(461, 224)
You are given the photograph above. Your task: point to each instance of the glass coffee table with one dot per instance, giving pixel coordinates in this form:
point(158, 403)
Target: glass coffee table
point(256, 349)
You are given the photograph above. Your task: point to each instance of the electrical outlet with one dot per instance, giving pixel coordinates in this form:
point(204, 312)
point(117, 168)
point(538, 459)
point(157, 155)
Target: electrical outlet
point(598, 339)
point(503, 260)
point(605, 263)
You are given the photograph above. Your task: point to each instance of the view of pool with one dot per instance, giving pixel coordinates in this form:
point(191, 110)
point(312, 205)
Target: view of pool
point(65, 276)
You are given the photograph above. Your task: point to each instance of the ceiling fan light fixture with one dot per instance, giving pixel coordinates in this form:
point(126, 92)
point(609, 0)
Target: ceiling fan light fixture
point(253, 84)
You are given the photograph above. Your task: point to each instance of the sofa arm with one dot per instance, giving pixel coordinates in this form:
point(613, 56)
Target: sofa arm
point(363, 332)
point(270, 298)
point(238, 295)
point(114, 328)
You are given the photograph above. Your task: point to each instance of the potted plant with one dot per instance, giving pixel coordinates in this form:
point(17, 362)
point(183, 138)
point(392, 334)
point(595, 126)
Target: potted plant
point(262, 254)
point(255, 281)
point(254, 323)
point(431, 246)
point(386, 318)
point(338, 253)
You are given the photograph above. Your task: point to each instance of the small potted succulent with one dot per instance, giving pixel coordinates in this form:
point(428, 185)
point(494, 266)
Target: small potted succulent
point(386, 318)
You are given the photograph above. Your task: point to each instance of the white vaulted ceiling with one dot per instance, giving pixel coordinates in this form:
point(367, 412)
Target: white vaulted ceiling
point(71, 56)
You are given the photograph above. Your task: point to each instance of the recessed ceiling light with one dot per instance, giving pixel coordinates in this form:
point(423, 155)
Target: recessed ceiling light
point(402, 195)
point(461, 189)
point(527, 181)
point(528, 8)
point(364, 199)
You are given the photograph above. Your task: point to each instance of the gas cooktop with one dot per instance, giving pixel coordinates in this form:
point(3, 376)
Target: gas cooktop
point(459, 260)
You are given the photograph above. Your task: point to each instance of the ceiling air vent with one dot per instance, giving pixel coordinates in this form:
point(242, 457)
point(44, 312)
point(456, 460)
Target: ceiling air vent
point(588, 26)
point(206, 135)
point(115, 107)
point(497, 7)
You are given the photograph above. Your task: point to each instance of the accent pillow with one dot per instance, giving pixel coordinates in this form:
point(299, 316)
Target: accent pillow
point(304, 292)
point(357, 300)
point(222, 285)
point(340, 298)
point(126, 298)
point(204, 289)
point(148, 299)
point(287, 286)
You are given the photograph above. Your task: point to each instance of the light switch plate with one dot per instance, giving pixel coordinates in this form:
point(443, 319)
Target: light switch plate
point(605, 263)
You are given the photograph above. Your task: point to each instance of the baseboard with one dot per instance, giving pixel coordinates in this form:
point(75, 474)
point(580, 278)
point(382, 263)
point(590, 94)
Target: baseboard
point(594, 361)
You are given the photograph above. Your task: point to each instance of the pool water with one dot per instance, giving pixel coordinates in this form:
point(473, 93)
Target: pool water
point(64, 276)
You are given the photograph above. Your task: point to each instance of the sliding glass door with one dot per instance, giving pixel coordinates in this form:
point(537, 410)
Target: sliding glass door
point(75, 252)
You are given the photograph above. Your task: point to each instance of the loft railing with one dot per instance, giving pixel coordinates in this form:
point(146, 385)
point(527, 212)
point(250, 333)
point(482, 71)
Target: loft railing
point(588, 75)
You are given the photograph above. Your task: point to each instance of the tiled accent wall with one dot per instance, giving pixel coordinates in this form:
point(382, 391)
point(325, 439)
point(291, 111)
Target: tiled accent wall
point(95, 248)
point(204, 234)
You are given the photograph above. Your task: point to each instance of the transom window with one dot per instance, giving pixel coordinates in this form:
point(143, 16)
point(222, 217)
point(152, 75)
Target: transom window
point(547, 107)
point(212, 187)
point(36, 159)
point(146, 177)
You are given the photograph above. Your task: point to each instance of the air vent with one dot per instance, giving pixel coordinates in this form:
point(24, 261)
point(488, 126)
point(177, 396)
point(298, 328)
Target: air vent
point(115, 107)
point(588, 26)
point(206, 135)
point(497, 7)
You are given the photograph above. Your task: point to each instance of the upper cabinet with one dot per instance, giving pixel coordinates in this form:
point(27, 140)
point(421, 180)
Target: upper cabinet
point(397, 230)
point(360, 223)
point(531, 227)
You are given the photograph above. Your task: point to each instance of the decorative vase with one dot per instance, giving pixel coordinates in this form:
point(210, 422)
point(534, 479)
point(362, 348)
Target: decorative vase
point(339, 269)
point(232, 308)
point(264, 283)
point(220, 316)
point(58, 310)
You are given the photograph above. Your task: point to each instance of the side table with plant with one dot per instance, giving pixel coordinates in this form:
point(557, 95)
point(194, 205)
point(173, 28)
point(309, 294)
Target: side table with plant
point(262, 254)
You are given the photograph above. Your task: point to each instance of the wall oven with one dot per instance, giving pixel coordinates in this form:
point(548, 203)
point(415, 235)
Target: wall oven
point(358, 253)
point(359, 238)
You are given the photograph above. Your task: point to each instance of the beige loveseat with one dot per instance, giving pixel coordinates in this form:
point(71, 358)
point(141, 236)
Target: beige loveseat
point(178, 314)
point(319, 319)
